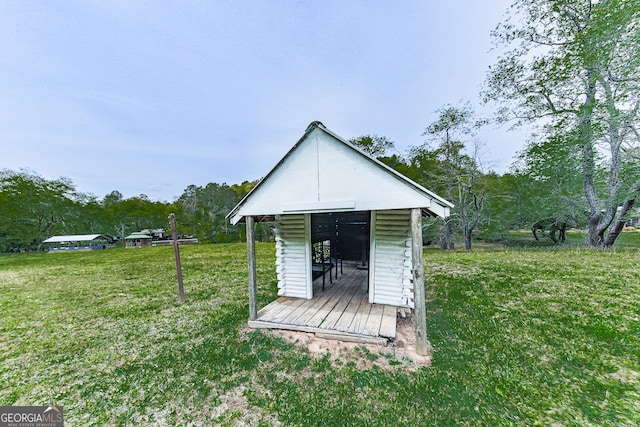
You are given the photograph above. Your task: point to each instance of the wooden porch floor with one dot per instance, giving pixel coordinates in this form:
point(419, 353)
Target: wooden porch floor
point(342, 310)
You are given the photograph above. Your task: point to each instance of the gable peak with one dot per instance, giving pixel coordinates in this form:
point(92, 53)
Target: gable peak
point(315, 124)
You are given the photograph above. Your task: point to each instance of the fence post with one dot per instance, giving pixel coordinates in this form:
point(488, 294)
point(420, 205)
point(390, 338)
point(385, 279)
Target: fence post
point(176, 251)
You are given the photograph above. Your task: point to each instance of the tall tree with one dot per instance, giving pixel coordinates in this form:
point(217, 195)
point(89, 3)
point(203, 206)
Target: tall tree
point(120, 216)
point(506, 208)
point(453, 171)
point(203, 210)
point(114, 197)
point(34, 208)
point(549, 171)
point(573, 66)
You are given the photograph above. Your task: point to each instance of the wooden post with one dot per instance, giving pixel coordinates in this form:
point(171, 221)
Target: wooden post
point(422, 345)
point(176, 251)
point(251, 254)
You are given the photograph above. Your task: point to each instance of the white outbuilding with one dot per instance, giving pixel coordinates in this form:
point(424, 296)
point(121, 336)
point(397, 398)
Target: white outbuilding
point(332, 204)
point(77, 242)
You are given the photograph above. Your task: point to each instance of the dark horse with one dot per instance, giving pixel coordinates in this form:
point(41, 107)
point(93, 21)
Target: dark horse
point(554, 226)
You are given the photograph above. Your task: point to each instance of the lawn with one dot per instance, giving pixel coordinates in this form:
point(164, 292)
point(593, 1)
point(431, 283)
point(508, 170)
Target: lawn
point(523, 239)
point(547, 336)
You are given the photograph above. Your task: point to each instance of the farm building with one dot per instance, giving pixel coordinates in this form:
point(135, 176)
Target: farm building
point(137, 240)
point(342, 219)
point(77, 242)
point(155, 233)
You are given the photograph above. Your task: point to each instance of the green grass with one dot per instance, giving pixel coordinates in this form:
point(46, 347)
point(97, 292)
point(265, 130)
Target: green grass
point(523, 239)
point(521, 337)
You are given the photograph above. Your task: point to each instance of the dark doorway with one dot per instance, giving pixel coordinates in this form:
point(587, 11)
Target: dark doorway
point(347, 234)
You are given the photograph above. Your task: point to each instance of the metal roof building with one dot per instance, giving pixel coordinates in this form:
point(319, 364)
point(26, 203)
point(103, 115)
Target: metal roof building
point(78, 242)
point(138, 240)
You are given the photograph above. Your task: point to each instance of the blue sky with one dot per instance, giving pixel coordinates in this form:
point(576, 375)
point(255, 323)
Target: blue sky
point(148, 97)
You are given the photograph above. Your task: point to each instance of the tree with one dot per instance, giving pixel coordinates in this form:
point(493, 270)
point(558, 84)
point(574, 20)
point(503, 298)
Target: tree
point(506, 208)
point(120, 216)
point(454, 172)
point(549, 171)
point(574, 68)
point(33, 208)
point(374, 145)
point(203, 209)
point(112, 198)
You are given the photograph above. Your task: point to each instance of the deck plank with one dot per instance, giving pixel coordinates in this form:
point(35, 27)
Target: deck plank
point(334, 315)
point(272, 309)
point(257, 324)
point(306, 310)
point(329, 313)
point(341, 310)
point(329, 305)
point(360, 319)
point(388, 324)
point(372, 326)
point(348, 314)
point(287, 309)
point(303, 314)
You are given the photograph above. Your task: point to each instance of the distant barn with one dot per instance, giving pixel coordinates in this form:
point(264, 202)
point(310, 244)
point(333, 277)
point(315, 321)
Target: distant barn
point(78, 242)
point(138, 240)
point(340, 216)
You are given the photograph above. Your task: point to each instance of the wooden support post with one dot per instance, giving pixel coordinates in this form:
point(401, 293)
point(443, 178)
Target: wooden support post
point(422, 345)
point(176, 251)
point(251, 254)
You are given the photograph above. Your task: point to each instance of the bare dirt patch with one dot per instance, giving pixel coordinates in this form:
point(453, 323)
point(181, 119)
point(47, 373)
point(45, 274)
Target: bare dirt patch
point(400, 352)
point(235, 401)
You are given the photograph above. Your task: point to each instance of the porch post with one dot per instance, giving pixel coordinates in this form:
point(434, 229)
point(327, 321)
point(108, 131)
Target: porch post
point(422, 346)
point(251, 254)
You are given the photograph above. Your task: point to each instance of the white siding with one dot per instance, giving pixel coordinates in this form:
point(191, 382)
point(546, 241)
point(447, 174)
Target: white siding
point(390, 273)
point(293, 255)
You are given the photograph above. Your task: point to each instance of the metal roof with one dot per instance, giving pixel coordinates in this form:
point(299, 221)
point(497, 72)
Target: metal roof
point(73, 238)
point(138, 236)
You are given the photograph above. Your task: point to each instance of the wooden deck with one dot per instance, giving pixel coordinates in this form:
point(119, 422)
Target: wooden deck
point(341, 311)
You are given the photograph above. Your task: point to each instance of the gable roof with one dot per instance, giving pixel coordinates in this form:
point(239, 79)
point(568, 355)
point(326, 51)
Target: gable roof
point(325, 173)
point(73, 238)
point(139, 235)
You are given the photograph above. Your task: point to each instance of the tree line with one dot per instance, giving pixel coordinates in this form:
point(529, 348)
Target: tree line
point(33, 208)
point(571, 69)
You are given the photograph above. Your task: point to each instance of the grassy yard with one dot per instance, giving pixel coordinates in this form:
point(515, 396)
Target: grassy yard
point(521, 337)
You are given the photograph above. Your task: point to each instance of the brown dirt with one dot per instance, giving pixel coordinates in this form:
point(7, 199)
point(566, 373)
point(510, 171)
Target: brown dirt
point(399, 353)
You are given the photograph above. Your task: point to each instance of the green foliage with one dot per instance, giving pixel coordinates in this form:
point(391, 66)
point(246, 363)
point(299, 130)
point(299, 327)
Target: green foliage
point(574, 68)
point(374, 145)
point(203, 210)
point(123, 217)
point(506, 207)
point(34, 209)
point(454, 172)
point(538, 337)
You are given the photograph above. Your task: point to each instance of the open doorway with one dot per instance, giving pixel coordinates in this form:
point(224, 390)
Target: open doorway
point(338, 239)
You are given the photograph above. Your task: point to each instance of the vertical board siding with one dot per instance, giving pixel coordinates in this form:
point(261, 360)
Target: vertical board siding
point(391, 261)
point(291, 256)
